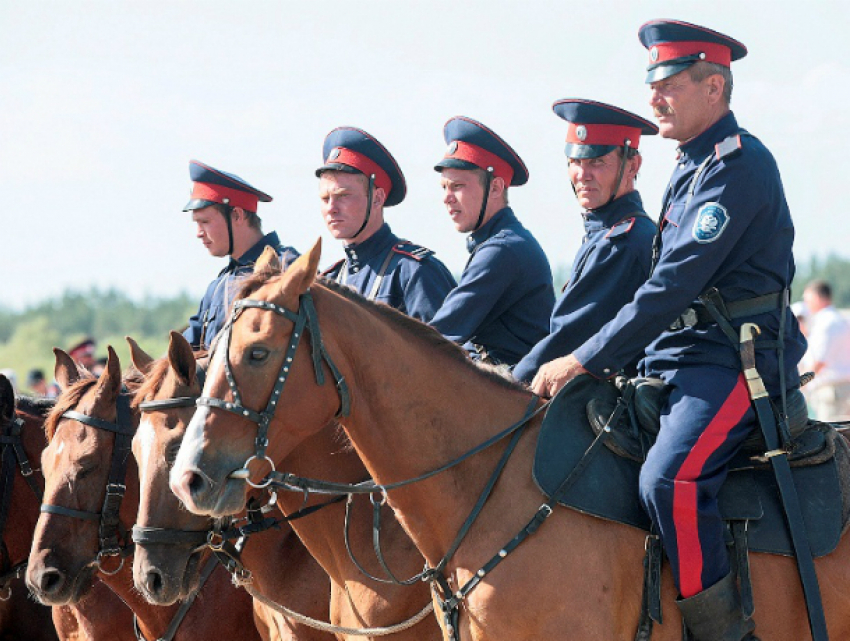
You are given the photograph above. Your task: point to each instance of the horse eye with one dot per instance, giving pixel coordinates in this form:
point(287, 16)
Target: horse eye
point(259, 354)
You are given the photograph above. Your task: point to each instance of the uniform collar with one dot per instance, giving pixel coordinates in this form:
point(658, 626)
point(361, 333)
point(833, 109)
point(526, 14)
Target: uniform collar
point(501, 219)
point(613, 212)
point(698, 148)
point(250, 257)
point(359, 253)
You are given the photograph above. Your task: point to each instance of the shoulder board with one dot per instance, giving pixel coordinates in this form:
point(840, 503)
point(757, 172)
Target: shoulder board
point(729, 147)
point(417, 252)
point(333, 269)
point(621, 228)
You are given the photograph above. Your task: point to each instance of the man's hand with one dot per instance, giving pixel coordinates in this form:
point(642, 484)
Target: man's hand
point(555, 374)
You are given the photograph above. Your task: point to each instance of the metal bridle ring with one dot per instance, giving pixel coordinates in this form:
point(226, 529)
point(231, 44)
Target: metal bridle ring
point(259, 486)
point(384, 497)
point(100, 567)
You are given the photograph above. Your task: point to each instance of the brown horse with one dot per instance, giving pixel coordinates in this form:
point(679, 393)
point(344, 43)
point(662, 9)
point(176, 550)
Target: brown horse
point(77, 529)
point(21, 617)
point(165, 568)
point(356, 601)
point(416, 403)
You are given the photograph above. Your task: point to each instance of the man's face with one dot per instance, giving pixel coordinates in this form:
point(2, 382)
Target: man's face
point(343, 197)
point(681, 106)
point(212, 230)
point(595, 179)
point(463, 194)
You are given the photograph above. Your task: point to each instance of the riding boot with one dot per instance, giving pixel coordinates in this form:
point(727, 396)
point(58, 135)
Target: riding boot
point(715, 614)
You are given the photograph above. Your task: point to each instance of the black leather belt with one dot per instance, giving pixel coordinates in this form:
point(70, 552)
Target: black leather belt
point(697, 314)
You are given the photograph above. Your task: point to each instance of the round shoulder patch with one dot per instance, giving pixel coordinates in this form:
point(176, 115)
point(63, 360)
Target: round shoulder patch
point(711, 222)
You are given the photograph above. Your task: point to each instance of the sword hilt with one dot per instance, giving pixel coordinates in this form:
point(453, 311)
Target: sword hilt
point(748, 360)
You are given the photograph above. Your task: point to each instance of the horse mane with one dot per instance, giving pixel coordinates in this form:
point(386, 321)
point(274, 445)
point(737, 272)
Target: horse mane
point(68, 400)
point(425, 334)
point(34, 405)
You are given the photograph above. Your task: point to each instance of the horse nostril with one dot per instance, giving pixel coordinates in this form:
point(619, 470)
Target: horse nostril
point(196, 483)
point(153, 583)
point(51, 581)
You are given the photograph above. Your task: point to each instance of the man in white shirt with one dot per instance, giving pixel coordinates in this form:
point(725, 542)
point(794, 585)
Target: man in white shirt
point(828, 354)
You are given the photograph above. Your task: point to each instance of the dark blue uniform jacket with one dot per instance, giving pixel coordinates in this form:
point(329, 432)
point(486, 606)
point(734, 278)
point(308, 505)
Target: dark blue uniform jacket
point(505, 295)
point(735, 233)
point(212, 314)
point(614, 260)
point(414, 282)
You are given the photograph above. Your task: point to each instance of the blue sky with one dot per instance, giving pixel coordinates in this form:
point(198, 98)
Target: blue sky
point(103, 103)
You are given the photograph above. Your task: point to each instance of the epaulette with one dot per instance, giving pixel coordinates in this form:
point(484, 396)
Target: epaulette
point(728, 147)
point(621, 228)
point(333, 269)
point(417, 252)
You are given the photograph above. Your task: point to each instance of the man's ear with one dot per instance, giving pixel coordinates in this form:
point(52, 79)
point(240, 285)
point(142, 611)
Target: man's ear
point(379, 197)
point(714, 88)
point(237, 214)
point(635, 163)
point(497, 187)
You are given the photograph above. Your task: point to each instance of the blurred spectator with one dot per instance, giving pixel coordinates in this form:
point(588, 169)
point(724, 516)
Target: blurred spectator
point(13, 378)
point(828, 355)
point(98, 367)
point(38, 384)
point(83, 353)
point(801, 313)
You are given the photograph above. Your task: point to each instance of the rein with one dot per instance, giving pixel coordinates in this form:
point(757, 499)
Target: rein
point(110, 529)
point(12, 453)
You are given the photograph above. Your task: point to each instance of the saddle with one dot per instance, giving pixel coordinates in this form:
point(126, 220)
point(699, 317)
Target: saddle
point(607, 486)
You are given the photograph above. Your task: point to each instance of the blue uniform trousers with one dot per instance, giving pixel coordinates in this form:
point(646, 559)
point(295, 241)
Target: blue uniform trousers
point(707, 418)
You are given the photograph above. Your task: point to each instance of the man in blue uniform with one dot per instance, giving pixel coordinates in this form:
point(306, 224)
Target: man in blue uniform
point(224, 207)
point(723, 251)
point(616, 252)
point(501, 307)
point(359, 178)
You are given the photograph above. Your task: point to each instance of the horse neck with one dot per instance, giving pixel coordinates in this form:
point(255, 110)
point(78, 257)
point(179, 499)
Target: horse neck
point(415, 408)
point(24, 507)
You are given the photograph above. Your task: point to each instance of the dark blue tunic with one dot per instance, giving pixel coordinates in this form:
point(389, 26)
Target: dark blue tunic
point(614, 260)
point(505, 295)
point(211, 315)
point(414, 280)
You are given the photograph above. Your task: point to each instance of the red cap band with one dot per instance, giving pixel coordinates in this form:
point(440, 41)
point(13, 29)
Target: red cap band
point(481, 158)
point(579, 134)
point(713, 52)
point(220, 194)
point(363, 164)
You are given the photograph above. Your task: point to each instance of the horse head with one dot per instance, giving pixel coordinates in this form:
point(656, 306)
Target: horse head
point(254, 356)
point(84, 465)
point(169, 540)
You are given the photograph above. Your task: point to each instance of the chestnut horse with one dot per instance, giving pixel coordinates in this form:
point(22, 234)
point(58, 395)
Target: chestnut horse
point(78, 528)
point(166, 561)
point(21, 617)
point(356, 601)
point(410, 402)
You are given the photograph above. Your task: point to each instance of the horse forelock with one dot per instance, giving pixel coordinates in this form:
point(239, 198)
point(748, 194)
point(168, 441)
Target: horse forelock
point(68, 400)
point(153, 381)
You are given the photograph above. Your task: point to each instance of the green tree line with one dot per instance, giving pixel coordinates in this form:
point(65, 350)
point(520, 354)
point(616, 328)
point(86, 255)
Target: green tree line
point(27, 337)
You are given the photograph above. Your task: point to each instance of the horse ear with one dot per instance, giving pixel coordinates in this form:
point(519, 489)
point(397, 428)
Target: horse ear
point(142, 361)
point(268, 261)
point(181, 358)
point(302, 273)
point(7, 399)
point(66, 370)
point(109, 383)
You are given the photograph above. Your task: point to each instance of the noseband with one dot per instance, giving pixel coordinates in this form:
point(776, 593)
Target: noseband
point(110, 524)
point(305, 319)
point(12, 453)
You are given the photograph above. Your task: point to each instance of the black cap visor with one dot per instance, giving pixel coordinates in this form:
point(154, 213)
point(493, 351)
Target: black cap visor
point(573, 150)
point(333, 166)
point(454, 163)
point(198, 203)
point(667, 69)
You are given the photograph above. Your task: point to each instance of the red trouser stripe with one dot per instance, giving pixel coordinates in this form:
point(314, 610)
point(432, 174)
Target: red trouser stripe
point(685, 488)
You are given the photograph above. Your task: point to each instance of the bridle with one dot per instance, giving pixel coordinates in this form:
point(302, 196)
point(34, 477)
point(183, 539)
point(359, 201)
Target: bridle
point(305, 319)
point(110, 531)
point(13, 455)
